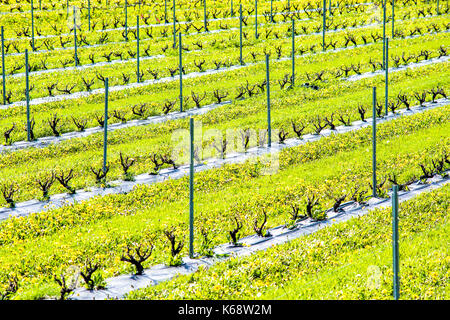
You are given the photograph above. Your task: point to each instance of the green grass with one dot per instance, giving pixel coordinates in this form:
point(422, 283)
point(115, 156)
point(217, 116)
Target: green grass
point(215, 180)
point(367, 273)
point(116, 42)
point(156, 95)
point(335, 262)
point(184, 11)
point(141, 142)
point(37, 247)
point(51, 241)
point(230, 54)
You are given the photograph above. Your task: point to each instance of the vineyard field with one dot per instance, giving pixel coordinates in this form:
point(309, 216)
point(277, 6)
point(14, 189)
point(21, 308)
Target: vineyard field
point(224, 150)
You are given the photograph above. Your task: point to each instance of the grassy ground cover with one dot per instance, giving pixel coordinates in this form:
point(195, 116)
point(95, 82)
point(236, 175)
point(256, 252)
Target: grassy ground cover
point(50, 22)
point(72, 80)
point(214, 180)
point(37, 248)
point(159, 40)
point(142, 142)
point(154, 97)
point(368, 273)
point(351, 260)
point(139, 216)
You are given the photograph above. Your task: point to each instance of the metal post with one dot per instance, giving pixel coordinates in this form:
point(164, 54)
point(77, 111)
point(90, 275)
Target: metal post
point(374, 142)
point(181, 72)
point(256, 19)
point(191, 190)
point(40, 5)
point(27, 94)
point(271, 11)
point(105, 126)
point(137, 49)
point(174, 29)
point(324, 23)
point(75, 37)
point(293, 53)
point(204, 15)
point(437, 7)
point(240, 34)
point(395, 251)
point(386, 82)
point(165, 11)
point(126, 20)
point(329, 6)
point(32, 26)
point(269, 128)
point(89, 14)
point(3, 66)
point(231, 8)
point(67, 8)
point(393, 18)
point(384, 31)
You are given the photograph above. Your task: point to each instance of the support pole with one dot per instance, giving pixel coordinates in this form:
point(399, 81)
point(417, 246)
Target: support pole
point(271, 11)
point(386, 80)
point(32, 26)
point(395, 251)
point(89, 14)
point(75, 37)
point(174, 28)
point(137, 50)
point(165, 11)
point(240, 35)
point(269, 127)
point(324, 23)
point(105, 127)
point(393, 18)
point(256, 19)
point(293, 54)
point(191, 189)
point(126, 21)
point(231, 9)
point(27, 93)
point(181, 72)
point(3, 65)
point(204, 16)
point(384, 31)
point(374, 142)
